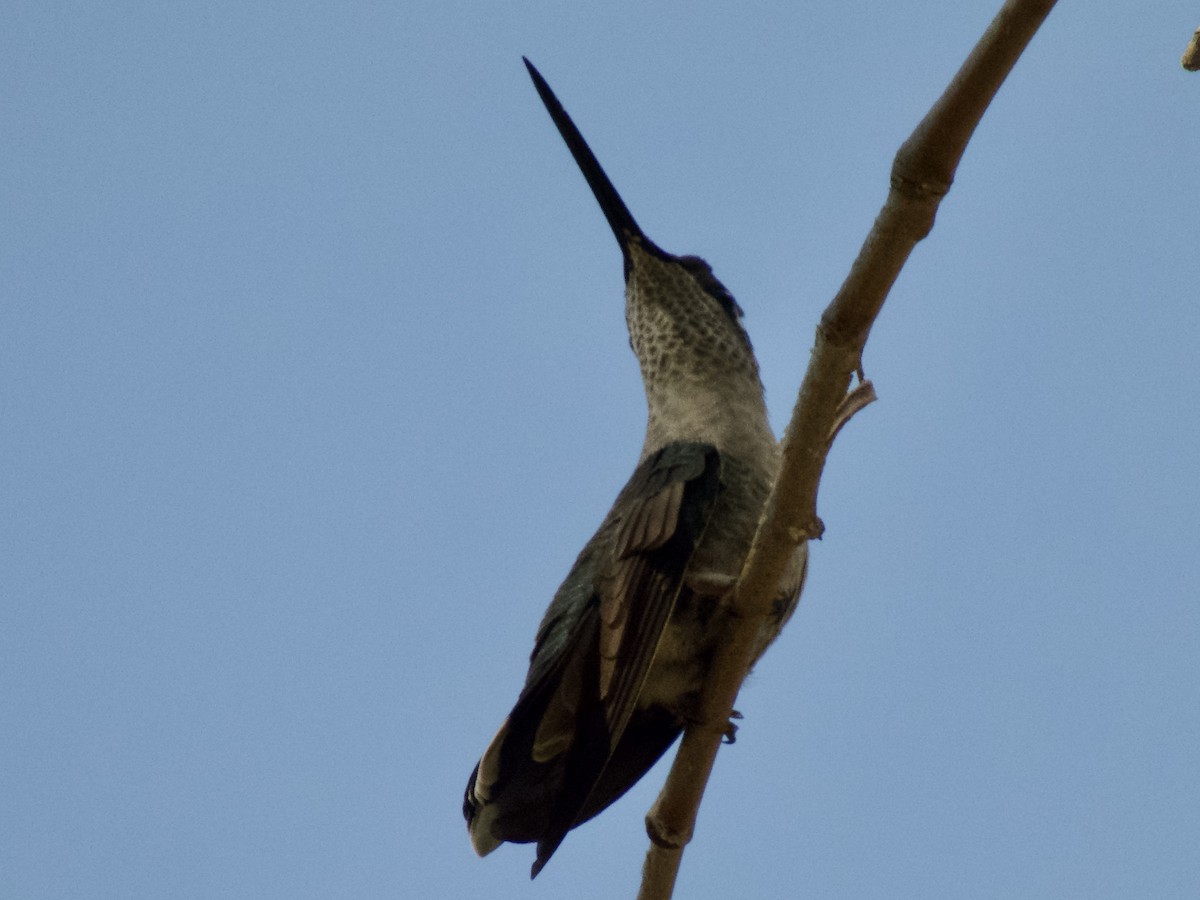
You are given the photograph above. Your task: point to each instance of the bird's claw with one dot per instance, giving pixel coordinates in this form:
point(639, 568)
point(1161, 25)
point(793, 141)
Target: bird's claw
point(730, 735)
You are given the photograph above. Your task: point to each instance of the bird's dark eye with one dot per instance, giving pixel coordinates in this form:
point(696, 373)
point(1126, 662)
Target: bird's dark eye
point(703, 274)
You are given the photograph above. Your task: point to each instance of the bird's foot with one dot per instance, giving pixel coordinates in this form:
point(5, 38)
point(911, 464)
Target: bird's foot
point(731, 730)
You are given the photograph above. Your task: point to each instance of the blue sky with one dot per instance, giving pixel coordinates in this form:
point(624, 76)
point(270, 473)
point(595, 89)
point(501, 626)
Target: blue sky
point(314, 379)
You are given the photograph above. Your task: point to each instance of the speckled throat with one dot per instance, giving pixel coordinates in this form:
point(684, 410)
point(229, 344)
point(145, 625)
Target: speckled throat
point(698, 368)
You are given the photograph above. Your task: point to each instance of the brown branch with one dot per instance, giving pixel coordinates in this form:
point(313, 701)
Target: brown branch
point(1191, 56)
point(921, 175)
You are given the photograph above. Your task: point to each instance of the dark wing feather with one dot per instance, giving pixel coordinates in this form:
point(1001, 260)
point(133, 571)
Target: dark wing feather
point(546, 770)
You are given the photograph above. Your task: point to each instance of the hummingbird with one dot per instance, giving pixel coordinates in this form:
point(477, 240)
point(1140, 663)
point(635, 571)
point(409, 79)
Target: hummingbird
point(621, 654)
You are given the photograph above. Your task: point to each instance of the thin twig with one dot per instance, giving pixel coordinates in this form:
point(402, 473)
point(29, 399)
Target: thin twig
point(859, 398)
point(921, 175)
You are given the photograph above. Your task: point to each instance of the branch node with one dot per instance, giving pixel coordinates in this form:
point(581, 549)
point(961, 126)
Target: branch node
point(921, 190)
point(1191, 56)
point(662, 835)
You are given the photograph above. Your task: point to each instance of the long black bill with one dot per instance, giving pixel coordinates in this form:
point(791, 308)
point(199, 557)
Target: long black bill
point(619, 219)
